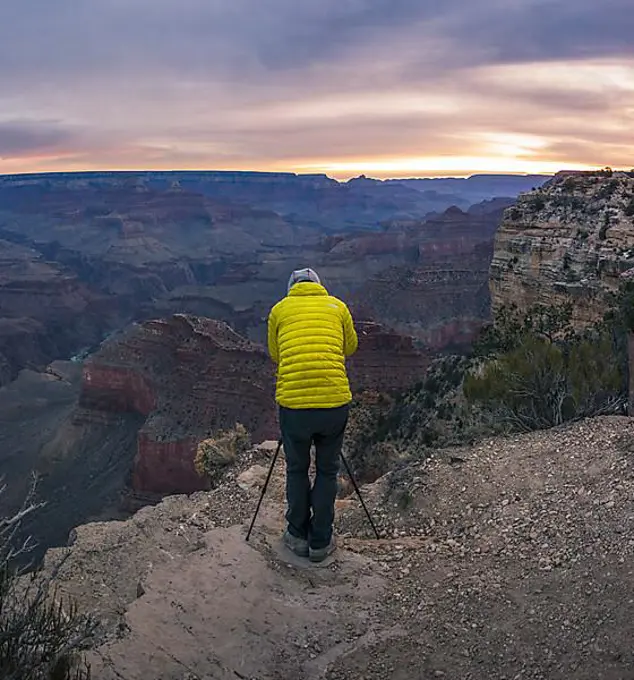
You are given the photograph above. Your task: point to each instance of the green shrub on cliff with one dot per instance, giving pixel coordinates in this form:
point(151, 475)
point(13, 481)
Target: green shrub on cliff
point(543, 383)
point(527, 371)
point(366, 435)
point(535, 371)
point(41, 634)
point(620, 314)
point(384, 430)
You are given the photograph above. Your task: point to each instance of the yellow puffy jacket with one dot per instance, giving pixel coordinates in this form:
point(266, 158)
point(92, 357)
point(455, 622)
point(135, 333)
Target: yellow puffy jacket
point(310, 334)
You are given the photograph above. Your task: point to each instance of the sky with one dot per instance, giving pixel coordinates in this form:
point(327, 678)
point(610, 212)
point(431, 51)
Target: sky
point(386, 88)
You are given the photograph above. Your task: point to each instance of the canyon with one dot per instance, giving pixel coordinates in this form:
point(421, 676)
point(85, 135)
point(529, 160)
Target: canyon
point(542, 516)
point(149, 292)
point(112, 248)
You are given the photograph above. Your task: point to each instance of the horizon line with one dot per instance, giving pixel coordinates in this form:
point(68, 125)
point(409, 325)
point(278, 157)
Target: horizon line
point(291, 173)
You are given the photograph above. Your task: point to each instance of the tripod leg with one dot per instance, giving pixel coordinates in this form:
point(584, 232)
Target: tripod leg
point(356, 488)
point(266, 483)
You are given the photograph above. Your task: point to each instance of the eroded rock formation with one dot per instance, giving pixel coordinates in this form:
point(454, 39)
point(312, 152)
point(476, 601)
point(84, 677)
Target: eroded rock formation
point(190, 377)
point(570, 242)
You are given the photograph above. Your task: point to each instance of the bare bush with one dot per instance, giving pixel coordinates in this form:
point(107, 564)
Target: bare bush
point(217, 452)
point(41, 634)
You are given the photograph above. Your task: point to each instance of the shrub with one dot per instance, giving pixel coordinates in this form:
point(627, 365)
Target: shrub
point(536, 202)
point(629, 208)
point(216, 453)
point(569, 184)
point(527, 371)
point(434, 413)
point(566, 261)
point(607, 189)
point(543, 383)
point(510, 327)
point(41, 635)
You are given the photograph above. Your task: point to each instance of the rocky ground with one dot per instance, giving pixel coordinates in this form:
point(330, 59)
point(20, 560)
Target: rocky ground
point(512, 560)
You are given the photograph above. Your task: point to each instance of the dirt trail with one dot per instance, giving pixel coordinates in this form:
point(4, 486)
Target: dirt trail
point(516, 563)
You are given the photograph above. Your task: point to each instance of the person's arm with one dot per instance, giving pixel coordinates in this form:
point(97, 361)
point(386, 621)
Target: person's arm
point(350, 339)
point(272, 337)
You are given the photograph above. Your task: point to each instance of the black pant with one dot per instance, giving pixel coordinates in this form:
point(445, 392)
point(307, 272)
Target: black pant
point(300, 428)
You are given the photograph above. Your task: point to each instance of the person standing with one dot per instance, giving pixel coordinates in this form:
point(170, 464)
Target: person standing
point(310, 334)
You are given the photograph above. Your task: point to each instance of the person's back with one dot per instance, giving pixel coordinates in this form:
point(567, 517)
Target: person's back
point(310, 334)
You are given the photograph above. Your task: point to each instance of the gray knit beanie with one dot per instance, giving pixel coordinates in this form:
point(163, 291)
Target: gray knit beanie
point(300, 275)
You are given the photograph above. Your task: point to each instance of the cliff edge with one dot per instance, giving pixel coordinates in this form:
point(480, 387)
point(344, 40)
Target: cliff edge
point(513, 558)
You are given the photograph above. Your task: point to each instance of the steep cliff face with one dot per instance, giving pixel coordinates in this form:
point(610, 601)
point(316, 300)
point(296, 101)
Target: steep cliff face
point(189, 377)
point(573, 240)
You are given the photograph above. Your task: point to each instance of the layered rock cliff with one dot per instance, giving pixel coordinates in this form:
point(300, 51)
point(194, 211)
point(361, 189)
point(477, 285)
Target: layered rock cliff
point(189, 377)
point(571, 241)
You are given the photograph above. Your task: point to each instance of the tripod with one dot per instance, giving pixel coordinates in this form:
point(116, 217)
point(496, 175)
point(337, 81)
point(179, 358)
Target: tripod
point(348, 470)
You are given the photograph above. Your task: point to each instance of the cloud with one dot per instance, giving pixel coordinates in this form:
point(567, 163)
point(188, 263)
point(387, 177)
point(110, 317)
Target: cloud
point(285, 83)
point(248, 37)
point(24, 138)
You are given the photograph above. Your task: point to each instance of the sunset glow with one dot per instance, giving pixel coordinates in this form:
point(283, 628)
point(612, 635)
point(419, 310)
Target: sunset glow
point(382, 88)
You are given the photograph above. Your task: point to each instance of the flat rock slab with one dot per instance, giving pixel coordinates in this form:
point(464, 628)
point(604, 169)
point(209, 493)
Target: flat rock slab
point(245, 610)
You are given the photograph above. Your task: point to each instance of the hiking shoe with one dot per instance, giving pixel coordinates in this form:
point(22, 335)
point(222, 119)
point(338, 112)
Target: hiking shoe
point(299, 546)
point(320, 554)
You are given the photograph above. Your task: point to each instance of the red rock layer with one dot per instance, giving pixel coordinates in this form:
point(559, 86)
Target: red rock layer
point(191, 376)
point(116, 389)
